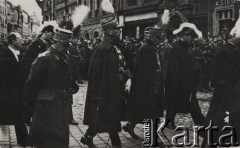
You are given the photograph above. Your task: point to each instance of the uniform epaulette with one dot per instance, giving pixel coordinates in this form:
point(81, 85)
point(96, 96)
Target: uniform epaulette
point(43, 54)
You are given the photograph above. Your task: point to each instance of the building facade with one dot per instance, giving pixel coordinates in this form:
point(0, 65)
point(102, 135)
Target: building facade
point(14, 19)
point(136, 15)
point(35, 24)
point(91, 27)
point(212, 17)
point(224, 15)
point(61, 10)
point(26, 29)
point(3, 26)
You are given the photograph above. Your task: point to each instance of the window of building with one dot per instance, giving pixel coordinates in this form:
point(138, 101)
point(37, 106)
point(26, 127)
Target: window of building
point(225, 14)
point(132, 2)
point(85, 3)
point(91, 5)
point(97, 4)
point(80, 2)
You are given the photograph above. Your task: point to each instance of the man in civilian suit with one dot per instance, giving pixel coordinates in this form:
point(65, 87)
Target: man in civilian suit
point(38, 46)
point(11, 84)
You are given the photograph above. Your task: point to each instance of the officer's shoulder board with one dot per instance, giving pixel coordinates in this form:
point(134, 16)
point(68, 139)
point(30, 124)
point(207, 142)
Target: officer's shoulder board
point(43, 54)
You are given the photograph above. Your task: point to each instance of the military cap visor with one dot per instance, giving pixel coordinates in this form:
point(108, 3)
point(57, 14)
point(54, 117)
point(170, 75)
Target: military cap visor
point(63, 35)
point(156, 32)
point(112, 24)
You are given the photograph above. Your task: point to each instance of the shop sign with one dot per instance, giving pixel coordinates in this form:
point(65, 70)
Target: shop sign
point(91, 22)
point(224, 2)
point(146, 21)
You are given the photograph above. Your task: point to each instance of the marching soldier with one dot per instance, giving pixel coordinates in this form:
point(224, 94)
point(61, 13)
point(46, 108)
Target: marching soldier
point(49, 90)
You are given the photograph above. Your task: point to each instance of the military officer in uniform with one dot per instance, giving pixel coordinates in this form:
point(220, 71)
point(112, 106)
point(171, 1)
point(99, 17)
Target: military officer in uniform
point(49, 89)
point(107, 77)
point(147, 84)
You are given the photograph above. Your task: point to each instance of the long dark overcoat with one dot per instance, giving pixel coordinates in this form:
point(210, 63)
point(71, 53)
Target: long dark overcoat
point(49, 88)
point(227, 93)
point(146, 89)
point(11, 103)
point(221, 75)
point(231, 93)
point(104, 94)
point(180, 78)
point(38, 46)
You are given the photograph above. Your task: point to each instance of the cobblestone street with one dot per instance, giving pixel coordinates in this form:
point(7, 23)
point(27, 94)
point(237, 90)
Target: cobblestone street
point(8, 136)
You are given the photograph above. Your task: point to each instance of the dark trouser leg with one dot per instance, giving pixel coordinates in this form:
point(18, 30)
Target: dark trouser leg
point(170, 115)
point(52, 143)
point(131, 124)
point(21, 133)
point(87, 139)
point(196, 112)
point(115, 139)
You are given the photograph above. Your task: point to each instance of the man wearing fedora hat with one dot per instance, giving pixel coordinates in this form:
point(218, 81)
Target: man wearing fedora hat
point(49, 90)
point(107, 78)
point(37, 46)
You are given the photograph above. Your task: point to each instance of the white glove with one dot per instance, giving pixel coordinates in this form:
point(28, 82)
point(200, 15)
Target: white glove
point(226, 119)
point(128, 85)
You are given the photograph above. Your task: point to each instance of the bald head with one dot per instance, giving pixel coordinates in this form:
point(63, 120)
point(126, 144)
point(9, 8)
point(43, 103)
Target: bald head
point(15, 40)
point(13, 36)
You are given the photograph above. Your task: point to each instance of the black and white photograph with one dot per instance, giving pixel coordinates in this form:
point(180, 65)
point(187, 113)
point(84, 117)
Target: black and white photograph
point(119, 73)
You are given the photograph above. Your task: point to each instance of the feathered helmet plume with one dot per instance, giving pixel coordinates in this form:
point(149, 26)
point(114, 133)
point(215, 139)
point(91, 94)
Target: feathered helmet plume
point(189, 26)
point(79, 15)
point(106, 6)
point(48, 23)
point(165, 17)
point(235, 32)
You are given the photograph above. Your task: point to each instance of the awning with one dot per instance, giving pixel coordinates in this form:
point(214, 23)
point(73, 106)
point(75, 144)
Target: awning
point(141, 16)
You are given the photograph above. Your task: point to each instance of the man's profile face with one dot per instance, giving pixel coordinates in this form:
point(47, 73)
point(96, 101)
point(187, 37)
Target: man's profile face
point(187, 38)
point(18, 43)
point(115, 34)
point(49, 35)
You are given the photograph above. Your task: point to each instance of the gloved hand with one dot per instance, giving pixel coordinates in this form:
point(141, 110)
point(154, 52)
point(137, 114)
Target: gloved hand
point(128, 85)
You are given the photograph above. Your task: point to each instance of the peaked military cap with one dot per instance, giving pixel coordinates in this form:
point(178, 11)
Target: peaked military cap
point(156, 31)
point(111, 24)
point(63, 35)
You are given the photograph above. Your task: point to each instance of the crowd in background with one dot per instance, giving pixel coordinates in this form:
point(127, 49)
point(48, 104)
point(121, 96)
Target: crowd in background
point(203, 50)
